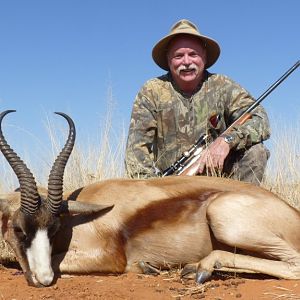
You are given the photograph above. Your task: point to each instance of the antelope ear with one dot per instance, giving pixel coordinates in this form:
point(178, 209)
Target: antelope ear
point(9, 203)
point(5, 216)
point(4, 207)
point(76, 207)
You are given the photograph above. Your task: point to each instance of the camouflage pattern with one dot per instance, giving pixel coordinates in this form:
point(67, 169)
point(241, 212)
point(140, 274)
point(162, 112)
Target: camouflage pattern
point(247, 164)
point(165, 122)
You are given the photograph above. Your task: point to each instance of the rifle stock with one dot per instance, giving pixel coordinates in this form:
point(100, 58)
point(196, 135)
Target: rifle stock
point(190, 156)
point(240, 121)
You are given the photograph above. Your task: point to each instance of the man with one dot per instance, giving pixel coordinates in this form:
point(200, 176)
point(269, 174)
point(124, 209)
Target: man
point(172, 111)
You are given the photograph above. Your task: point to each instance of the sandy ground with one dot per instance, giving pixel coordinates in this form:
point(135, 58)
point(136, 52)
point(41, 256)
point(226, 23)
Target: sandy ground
point(135, 286)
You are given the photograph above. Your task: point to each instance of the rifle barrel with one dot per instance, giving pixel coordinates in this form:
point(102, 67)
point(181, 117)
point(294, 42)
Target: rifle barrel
point(266, 93)
point(273, 86)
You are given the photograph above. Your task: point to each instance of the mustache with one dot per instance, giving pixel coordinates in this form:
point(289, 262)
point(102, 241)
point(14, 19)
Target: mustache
point(191, 67)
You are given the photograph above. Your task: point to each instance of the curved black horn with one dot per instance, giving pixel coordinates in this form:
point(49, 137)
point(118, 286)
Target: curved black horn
point(30, 199)
point(55, 182)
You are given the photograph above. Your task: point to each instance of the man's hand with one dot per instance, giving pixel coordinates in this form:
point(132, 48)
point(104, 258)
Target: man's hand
point(212, 158)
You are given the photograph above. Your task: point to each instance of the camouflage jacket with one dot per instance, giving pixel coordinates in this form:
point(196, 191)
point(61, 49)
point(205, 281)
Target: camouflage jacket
point(165, 122)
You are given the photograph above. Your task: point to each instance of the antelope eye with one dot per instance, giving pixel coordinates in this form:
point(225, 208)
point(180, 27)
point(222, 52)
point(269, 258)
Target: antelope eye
point(18, 229)
point(19, 232)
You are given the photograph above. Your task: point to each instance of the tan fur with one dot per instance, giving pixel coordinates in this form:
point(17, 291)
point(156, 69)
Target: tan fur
point(180, 220)
point(204, 223)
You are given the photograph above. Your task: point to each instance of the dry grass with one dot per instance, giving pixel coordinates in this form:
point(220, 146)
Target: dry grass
point(283, 172)
point(281, 293)
point(6, 253)
point(94, 159)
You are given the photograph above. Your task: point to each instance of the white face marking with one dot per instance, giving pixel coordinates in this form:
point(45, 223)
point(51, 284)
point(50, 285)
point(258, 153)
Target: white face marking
point(39, 257)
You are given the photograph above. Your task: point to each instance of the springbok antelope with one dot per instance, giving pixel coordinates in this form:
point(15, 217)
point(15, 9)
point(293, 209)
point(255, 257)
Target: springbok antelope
point(124, 225)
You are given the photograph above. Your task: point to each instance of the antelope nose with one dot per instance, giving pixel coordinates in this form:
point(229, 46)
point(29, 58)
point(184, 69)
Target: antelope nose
point(46, 278)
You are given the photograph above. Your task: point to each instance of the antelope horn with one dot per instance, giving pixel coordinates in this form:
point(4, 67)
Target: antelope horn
point(30, 199)
point(55, 181)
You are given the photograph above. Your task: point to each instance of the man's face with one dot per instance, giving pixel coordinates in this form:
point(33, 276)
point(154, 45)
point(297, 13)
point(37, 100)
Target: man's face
point(186, 59)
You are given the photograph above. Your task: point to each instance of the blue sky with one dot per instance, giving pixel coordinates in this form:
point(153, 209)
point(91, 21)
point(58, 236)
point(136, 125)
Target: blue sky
point(68, 55)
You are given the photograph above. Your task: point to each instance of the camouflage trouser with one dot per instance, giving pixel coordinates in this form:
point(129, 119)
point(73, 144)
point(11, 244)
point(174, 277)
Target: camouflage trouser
point(247, 165)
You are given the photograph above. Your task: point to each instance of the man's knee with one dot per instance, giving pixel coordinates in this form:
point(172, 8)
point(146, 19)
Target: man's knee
point(258, 155)
point(250, 165)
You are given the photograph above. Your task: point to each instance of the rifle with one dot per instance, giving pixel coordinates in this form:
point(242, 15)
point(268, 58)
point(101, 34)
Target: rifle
point(190, 156)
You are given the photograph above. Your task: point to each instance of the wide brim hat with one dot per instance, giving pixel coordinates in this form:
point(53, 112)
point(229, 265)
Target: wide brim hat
point(159, 52)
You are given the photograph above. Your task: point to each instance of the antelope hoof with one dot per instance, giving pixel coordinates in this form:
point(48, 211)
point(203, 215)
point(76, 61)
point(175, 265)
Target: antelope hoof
point(189, 271)
point(202, 276)
point(148, 269)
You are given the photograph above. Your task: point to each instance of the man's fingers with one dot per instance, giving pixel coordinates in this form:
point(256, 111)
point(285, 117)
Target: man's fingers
point(213, 163)
point(220, 165)
point(201, 167)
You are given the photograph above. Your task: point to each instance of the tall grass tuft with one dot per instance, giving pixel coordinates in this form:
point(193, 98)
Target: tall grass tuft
point(283, 171)
point(92, 159)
